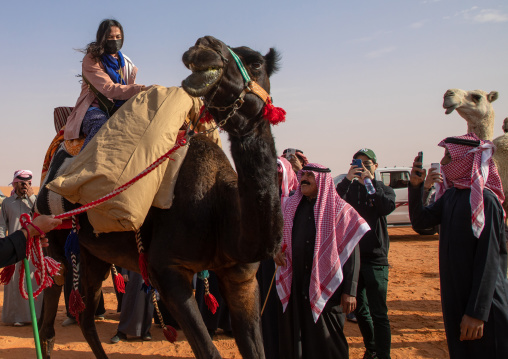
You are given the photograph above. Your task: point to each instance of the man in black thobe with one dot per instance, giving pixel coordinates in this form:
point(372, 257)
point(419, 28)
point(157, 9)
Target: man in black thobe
point(319, 269)
point(472, 248)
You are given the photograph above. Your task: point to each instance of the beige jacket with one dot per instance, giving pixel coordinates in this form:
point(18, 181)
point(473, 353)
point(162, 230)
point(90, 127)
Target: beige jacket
point(95, 73)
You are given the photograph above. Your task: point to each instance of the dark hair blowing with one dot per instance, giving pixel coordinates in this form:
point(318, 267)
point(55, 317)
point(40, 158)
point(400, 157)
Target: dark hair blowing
point(96, 48)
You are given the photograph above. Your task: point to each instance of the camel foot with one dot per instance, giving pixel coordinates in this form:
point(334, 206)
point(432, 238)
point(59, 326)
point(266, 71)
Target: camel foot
point(47, 347)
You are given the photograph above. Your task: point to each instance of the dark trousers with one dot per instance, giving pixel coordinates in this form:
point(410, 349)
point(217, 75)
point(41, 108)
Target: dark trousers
point(371, 310)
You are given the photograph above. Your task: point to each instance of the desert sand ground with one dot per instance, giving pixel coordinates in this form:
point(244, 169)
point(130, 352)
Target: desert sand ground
point(413, 302)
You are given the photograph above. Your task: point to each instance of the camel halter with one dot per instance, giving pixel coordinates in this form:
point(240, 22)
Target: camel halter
point(272, 114)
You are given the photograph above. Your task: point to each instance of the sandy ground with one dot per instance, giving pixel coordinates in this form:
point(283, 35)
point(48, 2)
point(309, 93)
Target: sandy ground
point(413, 302)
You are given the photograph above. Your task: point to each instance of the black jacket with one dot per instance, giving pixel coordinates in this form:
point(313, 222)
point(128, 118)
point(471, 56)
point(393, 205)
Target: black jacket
point(12, 248)
point(373, 208)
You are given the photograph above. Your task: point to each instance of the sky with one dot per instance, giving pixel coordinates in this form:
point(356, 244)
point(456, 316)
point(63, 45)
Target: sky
point(354, 74)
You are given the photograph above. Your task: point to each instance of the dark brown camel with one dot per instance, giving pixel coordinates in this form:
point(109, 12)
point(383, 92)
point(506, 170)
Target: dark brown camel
point(219, 220)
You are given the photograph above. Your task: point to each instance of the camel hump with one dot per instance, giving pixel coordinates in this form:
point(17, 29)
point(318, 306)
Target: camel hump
point(139, 133)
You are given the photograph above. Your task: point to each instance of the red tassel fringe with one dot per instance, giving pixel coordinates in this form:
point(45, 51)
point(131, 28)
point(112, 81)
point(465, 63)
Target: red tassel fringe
point(272, 114)
point(76, 305)
point(6, 274)
point(207, 117)
point(143, 268)
point(119, 283)
point(170, 333)
point(52, 266)
point(211, 302)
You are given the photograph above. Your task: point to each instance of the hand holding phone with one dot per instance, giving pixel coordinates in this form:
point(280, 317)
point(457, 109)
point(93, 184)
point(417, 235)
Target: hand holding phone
point(290, 152)
point(355, 170)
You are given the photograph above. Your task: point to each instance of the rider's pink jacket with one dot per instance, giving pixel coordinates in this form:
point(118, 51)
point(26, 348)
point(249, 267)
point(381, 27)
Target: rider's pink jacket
point(95, 73)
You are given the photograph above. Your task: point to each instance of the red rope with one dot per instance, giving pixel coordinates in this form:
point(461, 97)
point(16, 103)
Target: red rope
point(45, 267)
point(122, 188)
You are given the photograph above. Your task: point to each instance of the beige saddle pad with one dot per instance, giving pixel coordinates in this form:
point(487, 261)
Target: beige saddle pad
point(140, 132)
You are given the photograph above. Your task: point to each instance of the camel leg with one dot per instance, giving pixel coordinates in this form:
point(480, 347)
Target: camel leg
point(93, 272)
point(52, 294)
point(239, 287)
point(48, 315)
point(175, 289)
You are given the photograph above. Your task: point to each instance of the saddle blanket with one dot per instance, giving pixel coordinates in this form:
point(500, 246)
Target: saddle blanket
point(141, 131)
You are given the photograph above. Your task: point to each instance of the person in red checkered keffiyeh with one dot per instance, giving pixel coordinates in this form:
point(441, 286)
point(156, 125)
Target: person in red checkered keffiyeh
point(472, 247)
point(318, 271)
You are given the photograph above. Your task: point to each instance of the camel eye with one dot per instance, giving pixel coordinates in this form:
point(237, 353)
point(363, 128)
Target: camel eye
point(256, 65)
point(476, 97)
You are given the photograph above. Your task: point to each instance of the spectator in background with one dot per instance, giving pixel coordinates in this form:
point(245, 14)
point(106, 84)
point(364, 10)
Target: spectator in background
point(137, 309)
point(371, 311)
point(296, 158)
point(15, 309)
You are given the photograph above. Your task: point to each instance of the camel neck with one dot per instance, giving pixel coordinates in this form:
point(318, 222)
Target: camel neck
point(256, 164)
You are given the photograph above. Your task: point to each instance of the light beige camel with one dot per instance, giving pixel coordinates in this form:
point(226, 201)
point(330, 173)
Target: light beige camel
point(501, 158)
point(476, 108)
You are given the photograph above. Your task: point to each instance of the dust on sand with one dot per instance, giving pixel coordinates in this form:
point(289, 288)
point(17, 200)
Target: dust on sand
point(413, 302)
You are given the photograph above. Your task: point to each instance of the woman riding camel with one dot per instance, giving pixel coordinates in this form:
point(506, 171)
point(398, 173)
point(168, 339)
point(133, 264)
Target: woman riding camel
point(108, 81)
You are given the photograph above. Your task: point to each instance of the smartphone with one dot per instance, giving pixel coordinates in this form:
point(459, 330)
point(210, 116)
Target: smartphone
point(420, 159)
point(357, 162)
point(289, 152)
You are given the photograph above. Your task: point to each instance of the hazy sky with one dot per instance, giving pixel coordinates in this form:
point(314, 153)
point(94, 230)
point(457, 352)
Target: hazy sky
point(354, 74)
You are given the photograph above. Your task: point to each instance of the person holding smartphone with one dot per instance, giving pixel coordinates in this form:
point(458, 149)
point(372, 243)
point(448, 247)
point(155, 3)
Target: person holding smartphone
point(472, 247)
point(296, 158)
point(371, 311)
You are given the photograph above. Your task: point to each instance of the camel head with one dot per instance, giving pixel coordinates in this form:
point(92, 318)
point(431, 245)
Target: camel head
point(475, 107)
point(505, 125)
point(217, 78)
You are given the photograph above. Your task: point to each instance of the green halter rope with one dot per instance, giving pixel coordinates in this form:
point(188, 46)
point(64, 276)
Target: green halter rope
point(242, 69)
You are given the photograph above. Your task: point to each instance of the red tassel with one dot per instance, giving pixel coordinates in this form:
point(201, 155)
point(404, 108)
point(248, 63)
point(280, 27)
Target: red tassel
point(53, 267)
point(207, 117)
point(143, 268)
point(272, 114)
point(211, 302)
point(6, 274)
point(170, 333)
point(76, 305)
point(119, 283)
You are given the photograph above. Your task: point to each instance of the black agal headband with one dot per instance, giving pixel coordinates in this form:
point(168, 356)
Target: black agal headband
point(316, 169)
point(461, 141)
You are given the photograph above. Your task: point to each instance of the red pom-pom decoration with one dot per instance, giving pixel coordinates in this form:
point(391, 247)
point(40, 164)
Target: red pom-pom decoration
point(119, 283)
point(170, 333)
point(76, 305)
point(272, 114)
point(211, 302)
point(143, 268)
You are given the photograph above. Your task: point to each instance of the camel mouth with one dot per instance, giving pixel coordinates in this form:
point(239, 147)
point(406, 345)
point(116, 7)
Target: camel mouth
point(201, 81)
point(449, 109)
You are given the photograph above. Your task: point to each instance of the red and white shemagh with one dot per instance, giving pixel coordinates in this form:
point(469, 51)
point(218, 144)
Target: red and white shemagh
point(339, 228)
point(289, 180)
point(21, 175)
point(472, 167)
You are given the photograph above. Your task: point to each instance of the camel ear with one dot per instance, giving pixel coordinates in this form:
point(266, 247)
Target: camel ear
point(272, 61)
point(492, 96)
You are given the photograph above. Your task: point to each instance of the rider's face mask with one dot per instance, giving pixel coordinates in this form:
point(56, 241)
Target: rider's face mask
point(112, 46)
